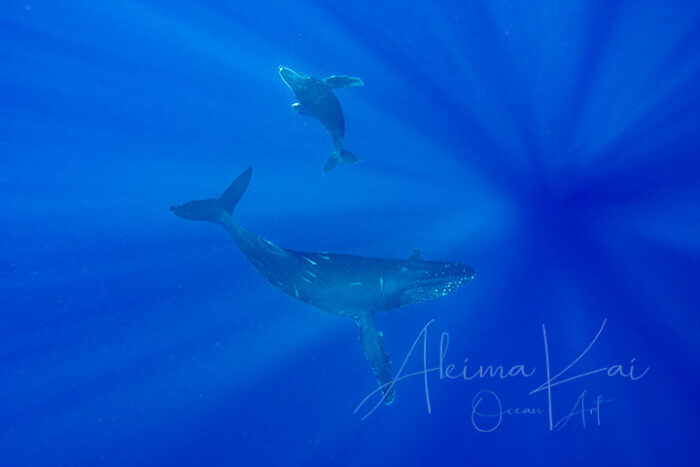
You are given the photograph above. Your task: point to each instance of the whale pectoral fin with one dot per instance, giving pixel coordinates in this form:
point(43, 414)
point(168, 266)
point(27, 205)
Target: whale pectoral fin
point(300, 109)
point(373, 343)
point(342, 81)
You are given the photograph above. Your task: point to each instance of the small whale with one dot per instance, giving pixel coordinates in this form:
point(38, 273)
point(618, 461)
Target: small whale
point(317, 100)
point(347, 285)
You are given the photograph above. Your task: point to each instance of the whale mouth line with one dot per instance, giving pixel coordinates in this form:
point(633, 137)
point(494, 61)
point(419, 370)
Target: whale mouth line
point(437, 284)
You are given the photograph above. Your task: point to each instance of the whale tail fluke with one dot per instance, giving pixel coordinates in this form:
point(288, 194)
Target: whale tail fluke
point(234, 192)
point(215, 209)
point(331, 163)
point(348, 157)
point(342, 155)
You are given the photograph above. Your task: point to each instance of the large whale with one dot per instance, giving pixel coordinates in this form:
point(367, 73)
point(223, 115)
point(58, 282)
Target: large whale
point(317, 100)
point(348, 285)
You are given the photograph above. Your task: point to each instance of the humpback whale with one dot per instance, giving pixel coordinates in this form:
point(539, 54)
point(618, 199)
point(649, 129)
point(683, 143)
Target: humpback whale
point(348, 285)
point(317, 100)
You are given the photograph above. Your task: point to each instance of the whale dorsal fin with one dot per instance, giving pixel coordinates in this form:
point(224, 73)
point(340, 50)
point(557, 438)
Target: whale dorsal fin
point(416, 256)
point(342, 81)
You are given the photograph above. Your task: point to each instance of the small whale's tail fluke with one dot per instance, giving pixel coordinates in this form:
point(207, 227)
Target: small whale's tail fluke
point(215, 209)
point(342, 155)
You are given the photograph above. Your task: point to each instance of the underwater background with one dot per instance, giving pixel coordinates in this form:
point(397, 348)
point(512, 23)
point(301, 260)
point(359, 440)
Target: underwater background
point(553, 146)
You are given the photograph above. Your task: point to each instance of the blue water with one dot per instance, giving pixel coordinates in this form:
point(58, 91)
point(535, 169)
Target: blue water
point(553, 146)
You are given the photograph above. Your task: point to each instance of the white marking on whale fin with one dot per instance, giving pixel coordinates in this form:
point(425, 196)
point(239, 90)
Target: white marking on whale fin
point(327, 258)
point(296, 290)
point(300, 109)
point(342, 81)
point(352, 284)
point(381, 284)
point(310, 260)
point(272, 245)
